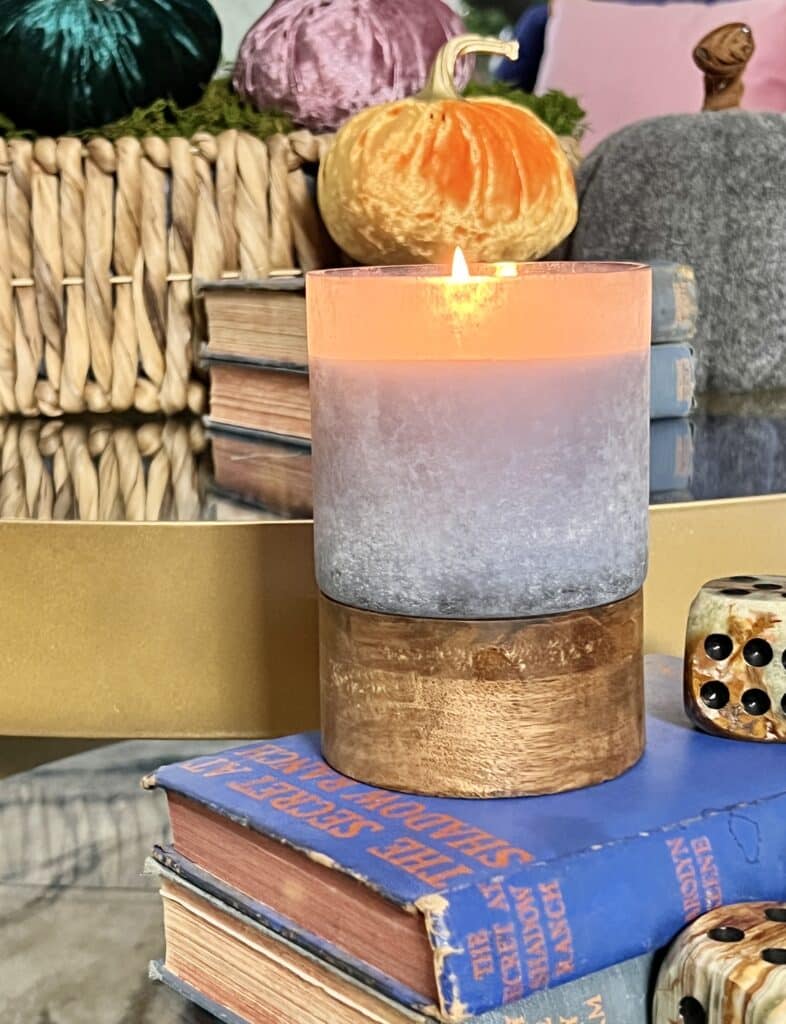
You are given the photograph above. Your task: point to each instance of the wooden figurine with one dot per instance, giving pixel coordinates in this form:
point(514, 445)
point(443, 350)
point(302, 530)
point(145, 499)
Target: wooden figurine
point(723, 55)
point(728, 967)
point(735, 658)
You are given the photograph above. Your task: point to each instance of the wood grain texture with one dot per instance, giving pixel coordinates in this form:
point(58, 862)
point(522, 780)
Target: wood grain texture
point(726, 968)
point(482, 708)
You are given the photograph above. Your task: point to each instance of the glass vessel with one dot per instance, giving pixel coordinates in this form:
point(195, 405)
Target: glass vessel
point(480, 444)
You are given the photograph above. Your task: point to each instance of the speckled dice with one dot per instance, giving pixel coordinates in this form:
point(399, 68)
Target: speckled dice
point(735, 658)
point(728, 967)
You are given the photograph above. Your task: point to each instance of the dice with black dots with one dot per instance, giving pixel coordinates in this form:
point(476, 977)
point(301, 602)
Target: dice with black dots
point(728, 967)
point(735, 658)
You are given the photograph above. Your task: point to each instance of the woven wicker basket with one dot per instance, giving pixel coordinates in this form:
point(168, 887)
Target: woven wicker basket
point(101, 246)
point(100, 467)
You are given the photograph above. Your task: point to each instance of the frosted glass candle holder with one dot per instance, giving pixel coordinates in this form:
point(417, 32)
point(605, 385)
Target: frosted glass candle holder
point(480, 446)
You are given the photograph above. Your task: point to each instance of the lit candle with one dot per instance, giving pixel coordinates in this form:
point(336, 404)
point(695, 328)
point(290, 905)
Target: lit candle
point(480, 439)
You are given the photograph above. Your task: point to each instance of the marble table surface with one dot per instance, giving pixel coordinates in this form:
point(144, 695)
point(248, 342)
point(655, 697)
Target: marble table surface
point(79, 921)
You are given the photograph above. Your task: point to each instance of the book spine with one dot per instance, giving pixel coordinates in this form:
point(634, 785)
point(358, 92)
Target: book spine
point(671, 455)
point(675, 307)
point(672, 381)
point(616, 995)
point(551, 922)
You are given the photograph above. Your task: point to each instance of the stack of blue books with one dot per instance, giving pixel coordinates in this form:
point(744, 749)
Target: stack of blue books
point(675, 314)
point(294, 894)
point(672, 378)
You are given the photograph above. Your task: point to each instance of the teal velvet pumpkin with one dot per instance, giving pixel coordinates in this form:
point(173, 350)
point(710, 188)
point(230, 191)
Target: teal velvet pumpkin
point(66, 65)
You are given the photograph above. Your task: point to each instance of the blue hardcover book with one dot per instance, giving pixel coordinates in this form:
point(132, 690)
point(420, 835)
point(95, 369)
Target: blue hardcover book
point(481, 903)
point(281, 977)
point(675, 308)
point(671, 455)
point(672, 380)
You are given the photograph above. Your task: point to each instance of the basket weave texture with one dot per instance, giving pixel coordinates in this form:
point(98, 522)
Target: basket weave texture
point(102, 246)
point(101, 469)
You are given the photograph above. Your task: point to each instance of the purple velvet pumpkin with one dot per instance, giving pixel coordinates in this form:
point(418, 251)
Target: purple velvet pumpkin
point(321, 61)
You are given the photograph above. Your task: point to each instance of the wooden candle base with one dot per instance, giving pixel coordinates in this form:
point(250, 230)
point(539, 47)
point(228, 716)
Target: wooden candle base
point(482, 708)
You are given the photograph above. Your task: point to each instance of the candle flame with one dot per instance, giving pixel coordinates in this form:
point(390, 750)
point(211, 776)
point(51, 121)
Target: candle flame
point(460, 272)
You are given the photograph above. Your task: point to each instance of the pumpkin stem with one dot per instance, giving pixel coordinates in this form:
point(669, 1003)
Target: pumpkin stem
point(441, 80)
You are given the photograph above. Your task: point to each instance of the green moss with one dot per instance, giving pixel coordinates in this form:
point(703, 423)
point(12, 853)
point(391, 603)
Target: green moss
point(563, 114)
point(485, 22)
point(8, 128)
point(217, 110)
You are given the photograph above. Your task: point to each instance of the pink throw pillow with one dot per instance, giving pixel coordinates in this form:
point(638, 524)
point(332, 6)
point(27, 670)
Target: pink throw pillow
point(625, 62)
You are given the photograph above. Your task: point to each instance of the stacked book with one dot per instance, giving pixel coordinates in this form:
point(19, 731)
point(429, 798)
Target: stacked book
point(672, 458)
point(672, 380)
point(295, 895)
point(273, 474)
point(260, 415)
point(674, 321)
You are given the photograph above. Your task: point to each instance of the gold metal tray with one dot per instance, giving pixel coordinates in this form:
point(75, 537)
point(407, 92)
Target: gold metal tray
point(208, 628)
point(157, 629)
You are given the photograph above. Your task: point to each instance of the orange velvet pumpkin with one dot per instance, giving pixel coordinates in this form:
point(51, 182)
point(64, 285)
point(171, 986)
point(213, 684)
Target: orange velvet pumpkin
point(407, 181)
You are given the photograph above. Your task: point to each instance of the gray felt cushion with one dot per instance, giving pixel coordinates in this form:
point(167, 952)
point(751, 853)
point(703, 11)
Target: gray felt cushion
point(708, 190)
